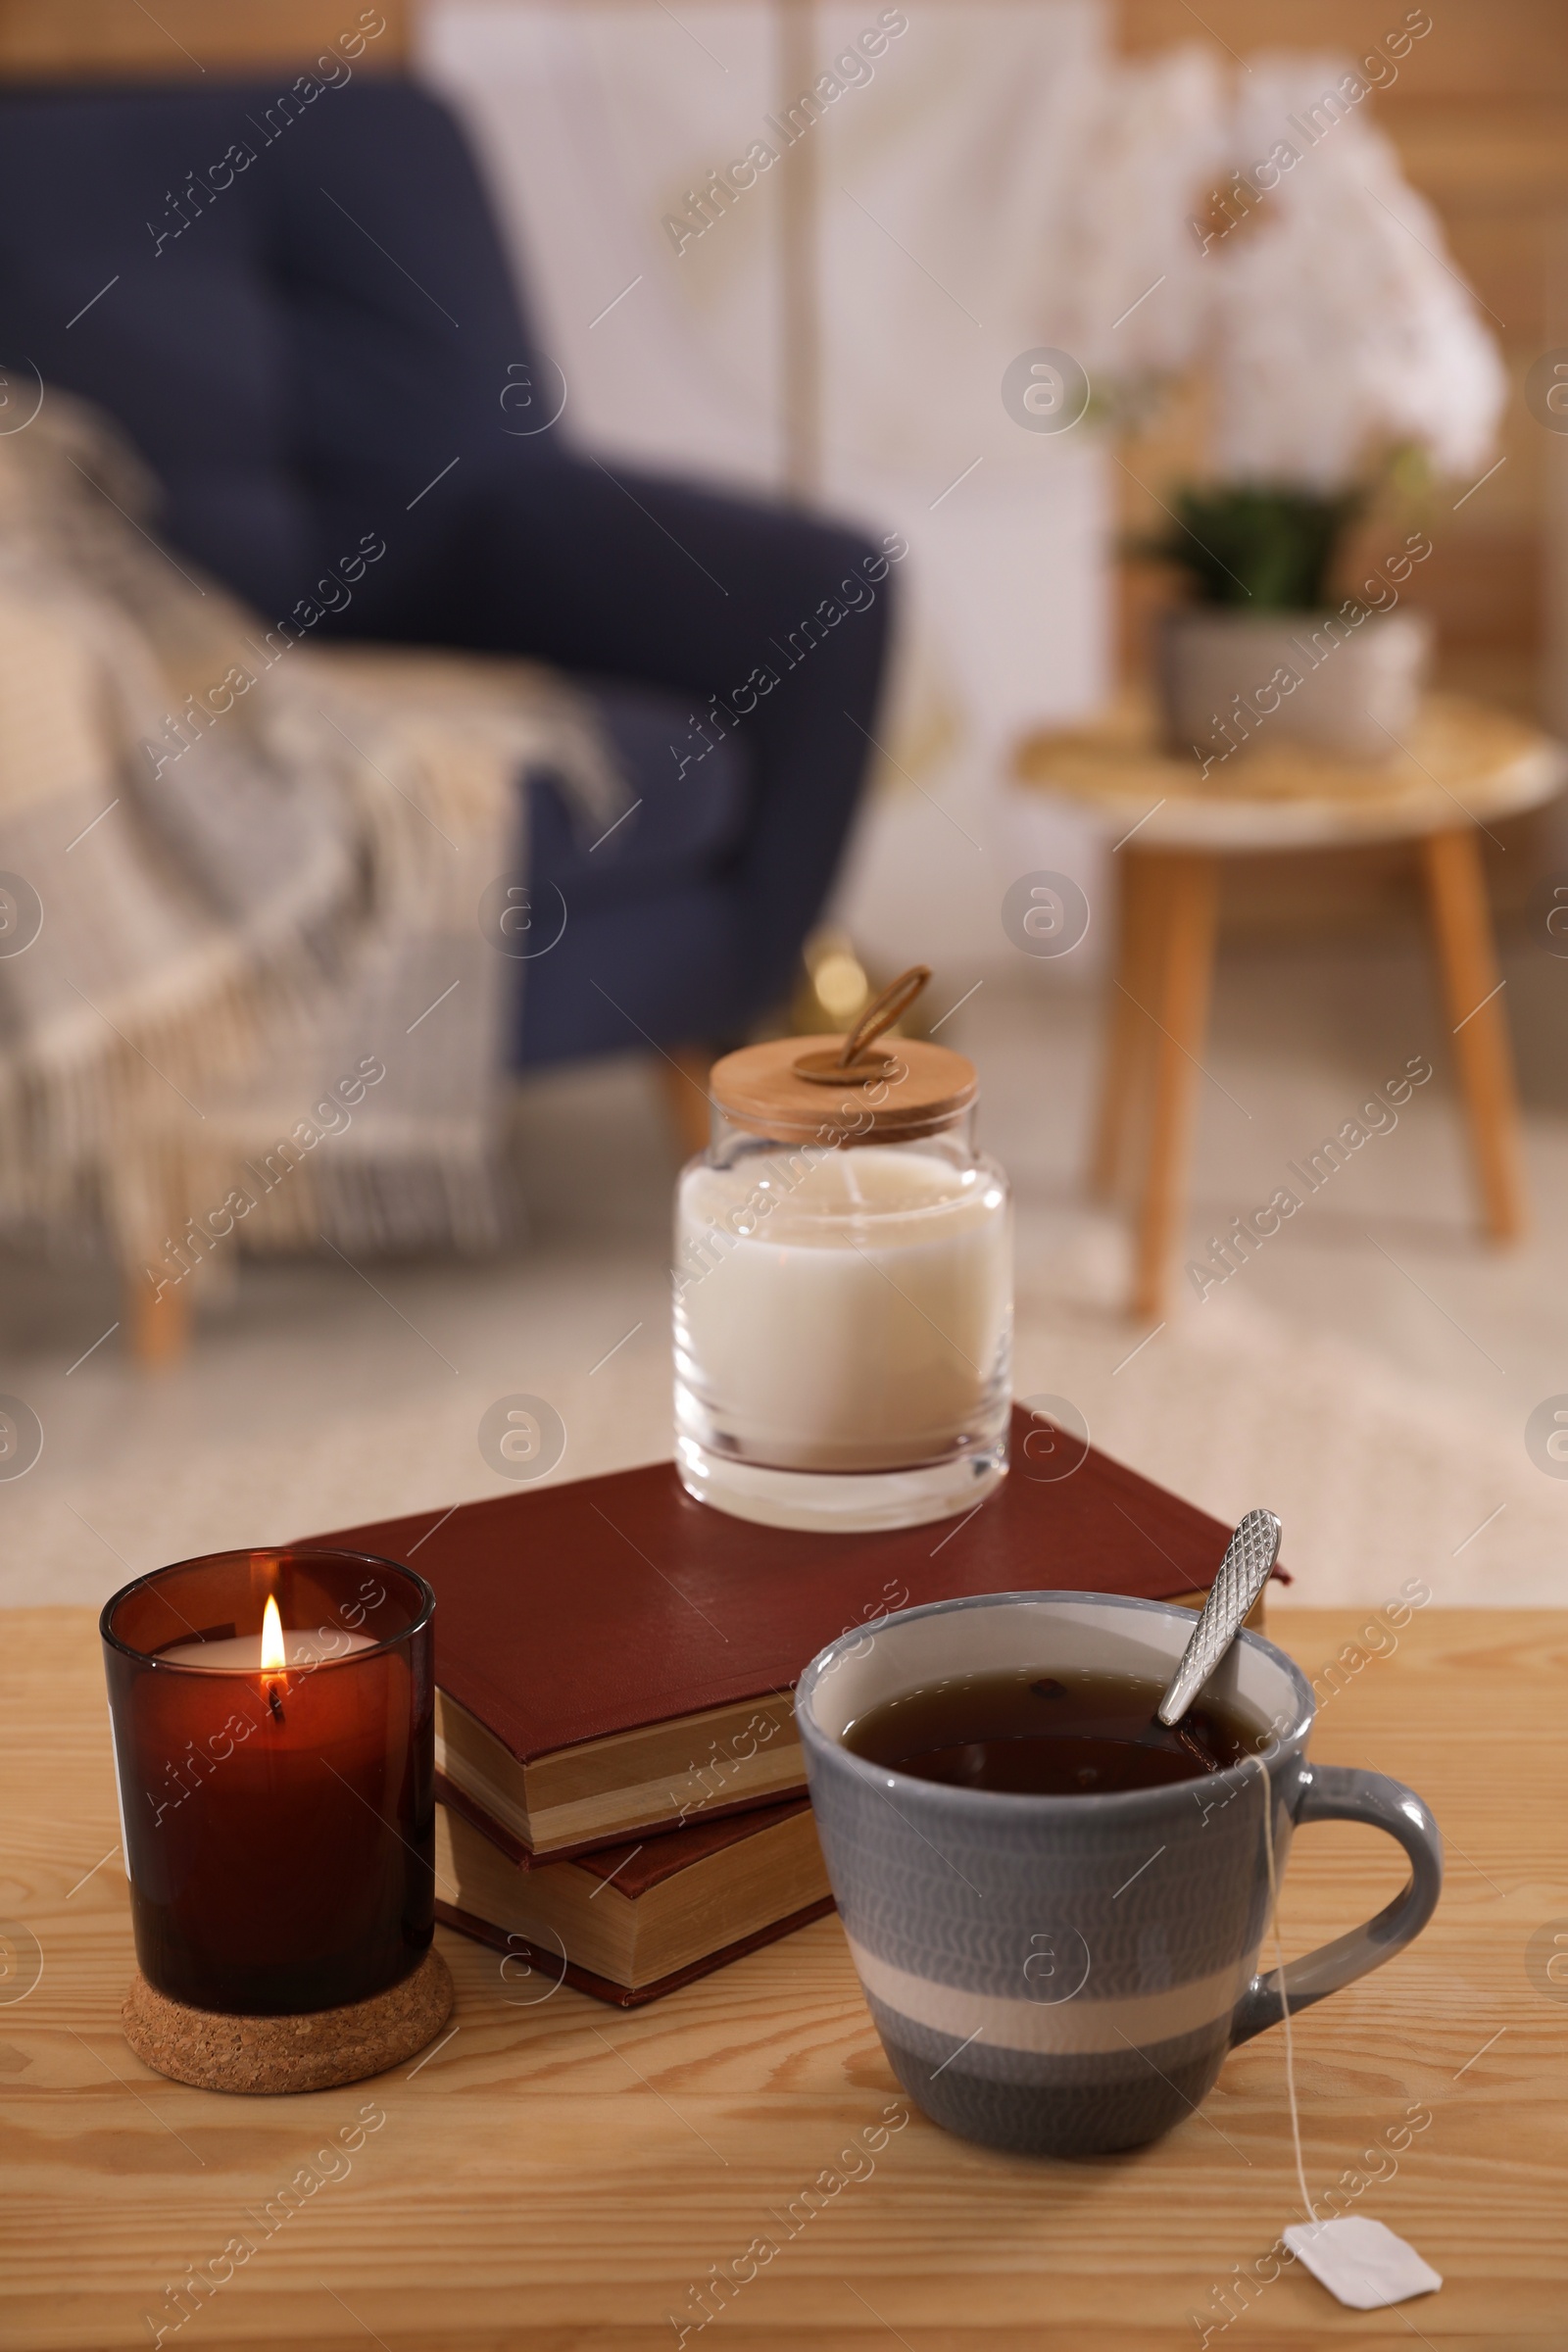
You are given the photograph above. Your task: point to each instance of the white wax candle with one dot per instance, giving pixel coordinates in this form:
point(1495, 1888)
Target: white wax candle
point(241, 1653)
point(858, 1323)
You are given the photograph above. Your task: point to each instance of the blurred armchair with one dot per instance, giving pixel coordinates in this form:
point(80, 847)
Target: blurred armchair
point(298, 309)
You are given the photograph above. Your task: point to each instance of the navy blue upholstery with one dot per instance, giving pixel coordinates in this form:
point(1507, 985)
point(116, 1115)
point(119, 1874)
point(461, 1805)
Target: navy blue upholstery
point(701, 816)
point(298, 308)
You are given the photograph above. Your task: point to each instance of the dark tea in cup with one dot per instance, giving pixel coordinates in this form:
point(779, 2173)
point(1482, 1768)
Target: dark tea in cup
point(1071, 1734)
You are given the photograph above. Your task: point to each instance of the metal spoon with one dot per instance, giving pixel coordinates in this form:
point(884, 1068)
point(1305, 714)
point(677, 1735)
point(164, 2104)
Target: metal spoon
point(1249, 1561)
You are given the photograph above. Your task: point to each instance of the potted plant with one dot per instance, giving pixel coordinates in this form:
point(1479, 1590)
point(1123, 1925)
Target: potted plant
point(1266, 644)
point(1341, 356)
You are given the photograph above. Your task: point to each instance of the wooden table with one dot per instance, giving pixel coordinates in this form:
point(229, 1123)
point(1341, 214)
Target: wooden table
point(562, 2177)
point(1465, 768)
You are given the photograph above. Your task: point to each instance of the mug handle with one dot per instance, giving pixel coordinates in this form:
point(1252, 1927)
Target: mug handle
point(1343, 1793)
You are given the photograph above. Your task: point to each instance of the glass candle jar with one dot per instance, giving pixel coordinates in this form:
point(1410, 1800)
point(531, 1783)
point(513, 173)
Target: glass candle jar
point(274, 1744)
point(843, 1292)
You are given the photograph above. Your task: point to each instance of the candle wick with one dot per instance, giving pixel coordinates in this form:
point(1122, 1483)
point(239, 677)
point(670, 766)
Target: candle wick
point(275, 1703)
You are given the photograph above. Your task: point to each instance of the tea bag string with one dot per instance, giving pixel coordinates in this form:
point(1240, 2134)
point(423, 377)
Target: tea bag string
point(1285, 2005)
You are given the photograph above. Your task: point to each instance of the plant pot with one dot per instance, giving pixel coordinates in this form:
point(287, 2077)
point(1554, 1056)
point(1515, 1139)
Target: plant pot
point(1347, 685)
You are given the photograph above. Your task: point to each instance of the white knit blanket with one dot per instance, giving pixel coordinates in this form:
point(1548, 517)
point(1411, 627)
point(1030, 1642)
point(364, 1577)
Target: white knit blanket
point(245, 997)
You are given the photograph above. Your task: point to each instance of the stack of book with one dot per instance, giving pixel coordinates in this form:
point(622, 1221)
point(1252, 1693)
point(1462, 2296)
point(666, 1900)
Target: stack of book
point(622, 1795)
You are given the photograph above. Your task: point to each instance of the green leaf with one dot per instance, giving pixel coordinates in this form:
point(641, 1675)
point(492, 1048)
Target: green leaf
point(1263, 549)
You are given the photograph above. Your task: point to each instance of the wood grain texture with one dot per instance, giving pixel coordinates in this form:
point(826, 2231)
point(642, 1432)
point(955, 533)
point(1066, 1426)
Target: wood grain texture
point(559, 2178)
point(87, 39)
point(1480, 116)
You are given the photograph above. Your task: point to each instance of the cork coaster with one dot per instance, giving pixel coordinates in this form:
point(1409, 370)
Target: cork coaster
point(311, 2052)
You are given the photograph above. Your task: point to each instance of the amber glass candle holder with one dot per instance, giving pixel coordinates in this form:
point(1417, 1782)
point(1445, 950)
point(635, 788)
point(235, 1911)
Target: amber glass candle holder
point(273, 1726)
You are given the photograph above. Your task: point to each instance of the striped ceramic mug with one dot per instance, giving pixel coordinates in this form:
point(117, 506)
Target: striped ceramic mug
point(1065, 1973)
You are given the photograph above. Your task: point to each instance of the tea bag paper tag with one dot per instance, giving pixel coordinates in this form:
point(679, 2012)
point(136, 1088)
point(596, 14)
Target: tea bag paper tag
point(1361, 2262)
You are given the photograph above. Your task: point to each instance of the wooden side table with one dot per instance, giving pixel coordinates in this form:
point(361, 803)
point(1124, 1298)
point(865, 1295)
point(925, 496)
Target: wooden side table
point(1463, 766)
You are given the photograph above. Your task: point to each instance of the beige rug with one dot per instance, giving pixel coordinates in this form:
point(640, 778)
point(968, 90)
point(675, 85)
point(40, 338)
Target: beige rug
point(1375, 1478)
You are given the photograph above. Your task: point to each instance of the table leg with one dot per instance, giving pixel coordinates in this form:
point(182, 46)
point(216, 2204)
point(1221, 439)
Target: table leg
point(157, 1330)
point(684, 1077)
point(1467, 958)
point(1130, 1028)
point(1187, 885)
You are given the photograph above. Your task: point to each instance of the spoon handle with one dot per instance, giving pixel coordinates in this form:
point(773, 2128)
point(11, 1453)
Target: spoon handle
point(1249, 1561)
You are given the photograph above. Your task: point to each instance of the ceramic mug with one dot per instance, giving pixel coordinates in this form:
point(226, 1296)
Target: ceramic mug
point(1064, 1975)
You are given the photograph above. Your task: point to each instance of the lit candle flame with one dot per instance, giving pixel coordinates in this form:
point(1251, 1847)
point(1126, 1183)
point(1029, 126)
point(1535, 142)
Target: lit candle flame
point(275, 1656)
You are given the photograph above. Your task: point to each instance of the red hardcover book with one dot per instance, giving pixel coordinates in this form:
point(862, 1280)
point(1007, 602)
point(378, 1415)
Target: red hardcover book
point(628, 1923)
point(614, 1658)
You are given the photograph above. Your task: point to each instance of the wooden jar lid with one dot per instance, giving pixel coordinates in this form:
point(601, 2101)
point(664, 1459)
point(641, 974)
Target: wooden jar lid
point(900, 1089)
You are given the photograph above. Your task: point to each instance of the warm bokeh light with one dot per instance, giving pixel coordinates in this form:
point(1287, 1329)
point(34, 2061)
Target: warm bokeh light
point(840, 985)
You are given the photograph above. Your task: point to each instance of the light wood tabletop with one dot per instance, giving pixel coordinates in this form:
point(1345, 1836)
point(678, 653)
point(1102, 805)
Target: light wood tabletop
point(569, 2177)
point(1462, 762)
